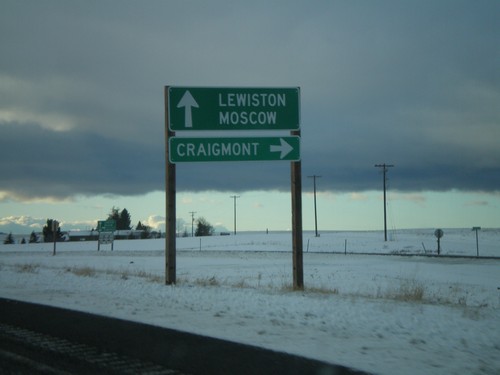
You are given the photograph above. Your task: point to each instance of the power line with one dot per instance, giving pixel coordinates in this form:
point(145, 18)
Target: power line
point(385, 170)
point(234, 197)
point(315, 210)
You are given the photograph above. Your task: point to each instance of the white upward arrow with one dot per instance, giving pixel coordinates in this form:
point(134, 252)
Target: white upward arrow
point(284, 148)
point(187, 102)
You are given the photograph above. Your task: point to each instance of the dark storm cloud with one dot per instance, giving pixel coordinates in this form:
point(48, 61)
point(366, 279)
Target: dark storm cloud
point(45, 163)
point(414, 84)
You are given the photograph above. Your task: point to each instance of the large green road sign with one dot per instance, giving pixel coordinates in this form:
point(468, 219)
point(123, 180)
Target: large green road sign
point(233, 149)
point(223, 108)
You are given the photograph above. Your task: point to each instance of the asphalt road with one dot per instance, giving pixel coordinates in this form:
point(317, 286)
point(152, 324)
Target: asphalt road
point(38, 339)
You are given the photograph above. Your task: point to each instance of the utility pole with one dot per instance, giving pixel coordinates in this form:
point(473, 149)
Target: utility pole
point(315, 210)
point(384, 169)
point(234, 197)
point(192, 222)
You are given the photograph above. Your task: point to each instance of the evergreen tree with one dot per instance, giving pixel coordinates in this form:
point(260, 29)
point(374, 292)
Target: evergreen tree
point(204, 228)
point(146, 230)
point(115, 214)
point(48, 235)
point(9, 240)
point(122, 218)
point(124, 221)
point(33, 237)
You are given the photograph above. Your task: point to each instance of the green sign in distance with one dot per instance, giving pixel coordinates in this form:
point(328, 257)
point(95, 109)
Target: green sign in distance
point(106, 226)
point(225, 108)
point(233, 149)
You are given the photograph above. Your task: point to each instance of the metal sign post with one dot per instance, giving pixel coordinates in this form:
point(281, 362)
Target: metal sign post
point(439, 234)
point(297, 242)
point(477, 229)
point(55, 227)
point(170, 235)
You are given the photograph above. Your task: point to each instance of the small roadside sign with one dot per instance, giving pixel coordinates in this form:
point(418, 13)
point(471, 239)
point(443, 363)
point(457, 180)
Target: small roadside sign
point(106, 229)
point(106, 238)
point(106, 225)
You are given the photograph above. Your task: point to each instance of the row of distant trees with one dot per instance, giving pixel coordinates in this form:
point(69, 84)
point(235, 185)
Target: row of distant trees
point(47, 231)
point(10, 239)
point(122, 218)
point(123, 222)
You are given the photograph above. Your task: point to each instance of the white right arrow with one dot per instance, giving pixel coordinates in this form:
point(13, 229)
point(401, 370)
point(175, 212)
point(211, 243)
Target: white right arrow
point(284, 148)
point(187, 102)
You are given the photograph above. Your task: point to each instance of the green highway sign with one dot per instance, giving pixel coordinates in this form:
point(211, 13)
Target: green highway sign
point(233, 149)
point(225, 108)
point(106, 226)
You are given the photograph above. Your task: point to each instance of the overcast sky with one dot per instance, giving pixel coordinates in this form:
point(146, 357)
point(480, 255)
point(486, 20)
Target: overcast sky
point(410, 83)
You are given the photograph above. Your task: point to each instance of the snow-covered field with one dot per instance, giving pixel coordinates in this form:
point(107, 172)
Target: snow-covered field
point(383, 314)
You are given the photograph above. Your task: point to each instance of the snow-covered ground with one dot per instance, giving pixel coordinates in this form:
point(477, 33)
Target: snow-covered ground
point(383, 314)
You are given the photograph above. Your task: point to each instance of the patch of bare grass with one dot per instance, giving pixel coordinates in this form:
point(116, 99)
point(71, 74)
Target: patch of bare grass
point(156, 278)
point(409, 290)
point(207, 281)
point(83, 271)
point(27, 268)
point(241, 284)
point(151, 277)
point(287, 287)
point(320, 290)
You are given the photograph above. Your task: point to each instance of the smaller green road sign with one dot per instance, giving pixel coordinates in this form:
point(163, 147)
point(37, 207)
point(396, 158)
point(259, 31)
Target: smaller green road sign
point(236, 108)
point(233, 149)
point(106, 226)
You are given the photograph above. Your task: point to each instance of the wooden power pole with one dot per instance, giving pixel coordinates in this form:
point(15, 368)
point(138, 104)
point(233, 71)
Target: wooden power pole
point(384, 169)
